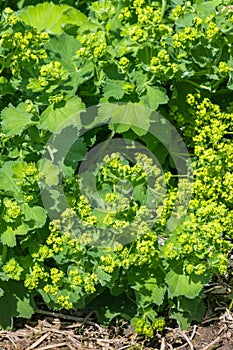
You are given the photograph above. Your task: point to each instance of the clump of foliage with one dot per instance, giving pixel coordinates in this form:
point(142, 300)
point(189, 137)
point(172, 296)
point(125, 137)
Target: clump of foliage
point(174, 57)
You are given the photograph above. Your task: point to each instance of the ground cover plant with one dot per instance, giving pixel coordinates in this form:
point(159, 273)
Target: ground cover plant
point(140, 234)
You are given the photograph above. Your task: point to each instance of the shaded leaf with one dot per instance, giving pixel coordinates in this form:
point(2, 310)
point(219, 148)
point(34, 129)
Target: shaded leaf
point(107, 307)
point(76, 153)
point(155, 96)
point(148, 292)
point(15, 302)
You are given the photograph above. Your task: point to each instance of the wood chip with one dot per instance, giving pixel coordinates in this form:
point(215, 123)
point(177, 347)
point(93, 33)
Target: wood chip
point(53, 346)
point(38, 342)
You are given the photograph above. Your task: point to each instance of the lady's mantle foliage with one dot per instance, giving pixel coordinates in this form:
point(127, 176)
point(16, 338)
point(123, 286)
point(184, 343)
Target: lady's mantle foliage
point(174, 57)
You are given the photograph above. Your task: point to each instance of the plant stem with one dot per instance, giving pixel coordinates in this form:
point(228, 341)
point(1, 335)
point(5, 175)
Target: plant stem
point(4, 252)
point(164, 4)
point(198, 85)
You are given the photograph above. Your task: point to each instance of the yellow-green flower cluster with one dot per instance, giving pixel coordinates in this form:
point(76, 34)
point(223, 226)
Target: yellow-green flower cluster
point(209, 224)
point(74, 278)
point(31, 170)
point(162, 66)
point(49, 76)
point(212, 31)
point(168, 205)
point(123, 64)
point(114, 169)
point(85, 210)
point(64, 302)
point(56, 98)
point(128, 87)
point(145, 326)
point(94, 45)
point(22, 48)
point(37, 274)
point(90, 280)
point(145, 249)
point(142, 22)
point(184, 37)
point(9, 16)
point(12, 210)
point(51, 289)
point(108, 263)
point(44, 252)
point(55, 240)
point(56, 275)
point(12, 269)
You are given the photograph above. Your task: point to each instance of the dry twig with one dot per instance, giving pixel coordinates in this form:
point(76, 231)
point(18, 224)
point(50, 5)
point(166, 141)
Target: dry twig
point(214, 342)
point(38, 342)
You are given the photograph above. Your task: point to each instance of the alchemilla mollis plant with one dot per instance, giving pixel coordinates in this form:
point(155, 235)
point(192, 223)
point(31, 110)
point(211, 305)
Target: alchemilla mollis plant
point(125, 258)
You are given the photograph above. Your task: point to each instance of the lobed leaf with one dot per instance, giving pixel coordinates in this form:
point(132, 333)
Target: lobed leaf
point(55, 117)
point(155, 96)
point(182, 285)
point(51, 17)
point(123, 117)
point(15, 120)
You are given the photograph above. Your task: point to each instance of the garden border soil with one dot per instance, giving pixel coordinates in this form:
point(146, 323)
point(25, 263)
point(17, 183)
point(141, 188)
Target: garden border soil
point(68, 332)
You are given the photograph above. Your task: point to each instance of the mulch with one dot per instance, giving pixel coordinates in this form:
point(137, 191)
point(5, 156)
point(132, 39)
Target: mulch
point(50, 330)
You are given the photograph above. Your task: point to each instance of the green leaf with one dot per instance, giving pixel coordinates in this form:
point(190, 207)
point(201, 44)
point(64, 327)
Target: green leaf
point(140, 193)
point(203, 56)
point(185, 20)
point(24, 307)
point(48, 172)
point(55, 117)
point(5, 87)
point(36, 213)
point(8, 237)
point(123, 117)
point(149, 292)
point(195, 307)
point(206, 8)
point(155, 96)
point(181, 318)
point(182, 285)
point(114, 88)
point(51, 17)
point(103, 276)
point(15, 119)
point(76, 153)
point(7, 182)
point(107, 307)
point(16, 302)
point(63, 48)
